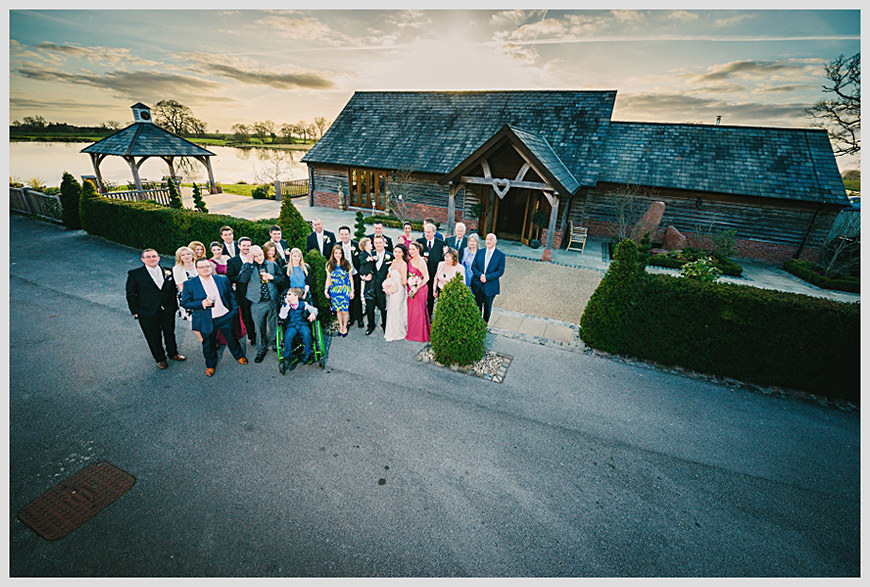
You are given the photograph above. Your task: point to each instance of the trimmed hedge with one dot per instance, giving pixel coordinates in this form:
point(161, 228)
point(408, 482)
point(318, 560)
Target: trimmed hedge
point(317, 276)
point(458, 331)
point(725, 265)
point(149, 225)
point(756, 335)
point(70, 194)
point(394, 222)
point(811, 272)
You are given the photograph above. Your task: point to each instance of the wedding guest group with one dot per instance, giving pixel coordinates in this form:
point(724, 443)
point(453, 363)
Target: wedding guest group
point(244, 290)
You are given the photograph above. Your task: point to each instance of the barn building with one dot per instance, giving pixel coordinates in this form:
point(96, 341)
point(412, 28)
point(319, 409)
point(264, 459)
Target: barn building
point(493, 158)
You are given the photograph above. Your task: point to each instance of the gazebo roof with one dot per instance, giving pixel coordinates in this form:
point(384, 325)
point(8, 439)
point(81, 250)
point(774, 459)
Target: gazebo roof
point(144, 139)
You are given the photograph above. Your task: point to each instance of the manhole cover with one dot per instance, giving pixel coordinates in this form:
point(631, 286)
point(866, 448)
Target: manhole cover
point(60, 510)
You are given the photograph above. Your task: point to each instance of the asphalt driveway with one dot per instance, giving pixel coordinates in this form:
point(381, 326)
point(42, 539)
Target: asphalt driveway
point(382, 466)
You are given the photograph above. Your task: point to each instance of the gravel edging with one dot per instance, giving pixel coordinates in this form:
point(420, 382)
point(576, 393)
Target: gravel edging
point(492, 367)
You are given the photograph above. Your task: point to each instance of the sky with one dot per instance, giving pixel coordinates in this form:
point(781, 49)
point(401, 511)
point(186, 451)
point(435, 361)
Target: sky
point(229, 65)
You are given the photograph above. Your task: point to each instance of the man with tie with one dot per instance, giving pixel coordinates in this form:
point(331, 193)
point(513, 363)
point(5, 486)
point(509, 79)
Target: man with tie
point(234, 269)
point(231, 247)
point(280, 245)
point(486, 270)
point(211, 303)
point(319, 239)
point(433, 252)
point(379, 275)
point(151, 297)
point(458, 241)
point(378, 228)
point(351, 253)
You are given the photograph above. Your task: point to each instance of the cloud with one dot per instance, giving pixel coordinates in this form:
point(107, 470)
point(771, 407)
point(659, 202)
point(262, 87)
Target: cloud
point(246, 71)
point(512, 18)
point(628, 16)
point(415, 19)
point(752, 69)
point(731, 20)
point(97, 54)
point(683, 16)
point(654, 107)
point(134, 85)
point(302, 28)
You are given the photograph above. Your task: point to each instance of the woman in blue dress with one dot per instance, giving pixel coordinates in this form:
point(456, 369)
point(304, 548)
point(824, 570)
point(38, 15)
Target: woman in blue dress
point(468, 256)
point(299, 273)
point(339, 287)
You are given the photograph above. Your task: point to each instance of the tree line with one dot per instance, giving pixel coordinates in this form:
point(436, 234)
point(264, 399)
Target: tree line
point(179, 119)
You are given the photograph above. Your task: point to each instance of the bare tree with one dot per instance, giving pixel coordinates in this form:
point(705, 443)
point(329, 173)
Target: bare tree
point(177, 118)
point(287, 131)
point(841, 115)
point(111, 125)
point(241, 132)
point(263, 129)
point(322, 125)
point(628, 205)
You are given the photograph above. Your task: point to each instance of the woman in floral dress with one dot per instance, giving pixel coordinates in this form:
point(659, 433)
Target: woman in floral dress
point(339, 287)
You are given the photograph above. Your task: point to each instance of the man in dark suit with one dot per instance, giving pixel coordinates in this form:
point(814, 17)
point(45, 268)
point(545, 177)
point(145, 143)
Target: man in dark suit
point(488, 267)
point(380, 272)
point(151, 297)
point(433, 252)
point(280, 245)
point(379, 231)
point(319, 239)
point(230, 247)
point(458, 240)
point(351, 253)
point(211, 302)
point(234, 268)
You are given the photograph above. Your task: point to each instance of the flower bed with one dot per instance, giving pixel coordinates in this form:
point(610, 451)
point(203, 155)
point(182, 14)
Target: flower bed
point(676, 259)
point(815, 274)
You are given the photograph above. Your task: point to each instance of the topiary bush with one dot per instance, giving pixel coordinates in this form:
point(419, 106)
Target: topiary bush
point(458, 332)
point(294, 228)
point(70, 194)
point(174, 195)
point(317, 274)
point(360, 226)
point(198, 203)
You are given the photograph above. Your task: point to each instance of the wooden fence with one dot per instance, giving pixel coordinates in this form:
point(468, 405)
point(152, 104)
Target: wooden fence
point(291, 189)
point(847, 223)
point(160, 195)
point(28, 201)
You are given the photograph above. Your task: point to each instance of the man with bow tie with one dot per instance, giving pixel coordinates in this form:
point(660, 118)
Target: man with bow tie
point(379, 274)
point(152, 299)
point(433, 252)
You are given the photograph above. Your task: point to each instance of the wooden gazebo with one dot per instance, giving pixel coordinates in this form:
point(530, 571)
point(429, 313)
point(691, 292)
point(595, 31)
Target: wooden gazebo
point(142, 140)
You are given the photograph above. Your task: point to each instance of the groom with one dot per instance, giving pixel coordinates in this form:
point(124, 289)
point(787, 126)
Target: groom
point(380, 273)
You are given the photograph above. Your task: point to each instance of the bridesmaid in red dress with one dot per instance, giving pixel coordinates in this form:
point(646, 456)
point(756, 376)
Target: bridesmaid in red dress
point(418, 291)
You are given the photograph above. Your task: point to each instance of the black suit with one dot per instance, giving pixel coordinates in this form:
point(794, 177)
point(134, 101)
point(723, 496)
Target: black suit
point(328, 242)
point(433, 257)
point(155, 309)
point(388, 242)
point(377, 283)
point(459, 244)
point(234, 268)
point(226, 251)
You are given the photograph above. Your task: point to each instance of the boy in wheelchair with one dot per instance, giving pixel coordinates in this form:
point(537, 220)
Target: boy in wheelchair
point(293, 320)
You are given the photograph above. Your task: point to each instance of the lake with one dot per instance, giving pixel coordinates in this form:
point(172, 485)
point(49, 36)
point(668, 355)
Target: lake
point(48, 161)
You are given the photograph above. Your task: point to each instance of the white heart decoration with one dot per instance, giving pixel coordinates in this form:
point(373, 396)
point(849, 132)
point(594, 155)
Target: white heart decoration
point(501, 187)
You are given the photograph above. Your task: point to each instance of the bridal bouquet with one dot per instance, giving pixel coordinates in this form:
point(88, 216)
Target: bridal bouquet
point(389, 287)
point(414, 283)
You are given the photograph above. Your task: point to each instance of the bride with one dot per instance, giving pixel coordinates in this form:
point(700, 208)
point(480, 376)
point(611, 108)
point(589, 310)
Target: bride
point(396, 287)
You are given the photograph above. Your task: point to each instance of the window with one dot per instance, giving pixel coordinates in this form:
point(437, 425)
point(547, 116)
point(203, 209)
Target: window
point(367, 187)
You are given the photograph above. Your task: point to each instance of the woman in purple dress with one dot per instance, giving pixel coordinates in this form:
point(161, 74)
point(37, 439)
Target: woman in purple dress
point(418, 291)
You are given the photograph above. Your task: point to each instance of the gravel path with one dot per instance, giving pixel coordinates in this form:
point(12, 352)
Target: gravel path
point(545, 289)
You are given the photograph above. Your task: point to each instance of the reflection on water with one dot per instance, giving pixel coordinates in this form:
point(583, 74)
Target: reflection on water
point(48, 161)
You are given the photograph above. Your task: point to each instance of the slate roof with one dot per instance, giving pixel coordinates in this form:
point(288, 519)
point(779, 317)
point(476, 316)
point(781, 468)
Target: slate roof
point(791, 164)
point(435, 131)
point(544, 153)
point(145, 139)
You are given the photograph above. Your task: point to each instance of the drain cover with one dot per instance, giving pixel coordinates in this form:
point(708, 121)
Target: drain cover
point(60, 510)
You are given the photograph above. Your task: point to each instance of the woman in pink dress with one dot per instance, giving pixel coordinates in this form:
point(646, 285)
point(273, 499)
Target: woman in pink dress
point(418, 291)
point(405, 238)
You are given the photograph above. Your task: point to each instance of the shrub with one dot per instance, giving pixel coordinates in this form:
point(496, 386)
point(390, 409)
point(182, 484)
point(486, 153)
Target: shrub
point(70, 193)
point(458, 331)
point(261, 192)
point(317, 273)
point(394, 222)
point(701, 270)
point(145, 224)
point(814, 274)
point(174, 195)
point(360, 227)
point(198, 204)
point(294, 228)
point(762, 336)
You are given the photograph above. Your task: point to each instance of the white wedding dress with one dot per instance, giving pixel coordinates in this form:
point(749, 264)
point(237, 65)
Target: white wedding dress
point(397, 309)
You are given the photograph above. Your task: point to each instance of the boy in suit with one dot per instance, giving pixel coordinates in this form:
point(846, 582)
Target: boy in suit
point(151, 297)
point(292, 317)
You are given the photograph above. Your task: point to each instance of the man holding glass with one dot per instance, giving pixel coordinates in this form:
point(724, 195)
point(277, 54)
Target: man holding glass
point(262, 281)
point(211, 302)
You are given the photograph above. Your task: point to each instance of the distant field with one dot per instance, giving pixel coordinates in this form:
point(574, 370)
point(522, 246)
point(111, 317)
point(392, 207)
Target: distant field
point(852, 184)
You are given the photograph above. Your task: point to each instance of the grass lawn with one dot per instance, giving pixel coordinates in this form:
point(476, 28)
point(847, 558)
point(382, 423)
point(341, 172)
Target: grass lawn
point(241, 189)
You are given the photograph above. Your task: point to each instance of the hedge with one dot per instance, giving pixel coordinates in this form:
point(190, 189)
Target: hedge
point(756, 335)
point(394, 222)
point(811, 272)
point(458, 330)
point(150, 225)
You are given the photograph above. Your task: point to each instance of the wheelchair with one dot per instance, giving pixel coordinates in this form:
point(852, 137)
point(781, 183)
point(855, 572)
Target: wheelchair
point(318, 344)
